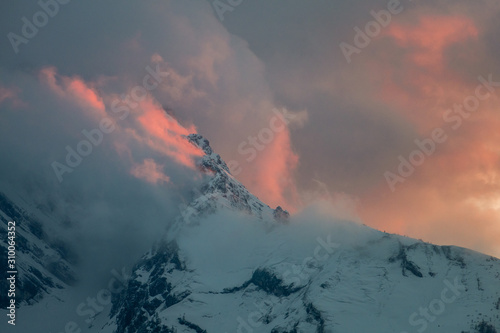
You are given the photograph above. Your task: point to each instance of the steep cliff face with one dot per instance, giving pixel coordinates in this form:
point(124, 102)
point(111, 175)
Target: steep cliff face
point(230, 264)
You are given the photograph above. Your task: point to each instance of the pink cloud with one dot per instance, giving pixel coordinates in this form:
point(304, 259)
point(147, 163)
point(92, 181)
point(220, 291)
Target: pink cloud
point(164, 134)
point(6, 94)
point(431, 35)
point(271, 175)
point(150, 171)
point(73, 88)
point(151, 124)
point(449, 199)
point(11, 95)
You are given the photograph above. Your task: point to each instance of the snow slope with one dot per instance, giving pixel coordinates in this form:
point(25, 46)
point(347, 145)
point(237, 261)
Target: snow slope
point(230, 263)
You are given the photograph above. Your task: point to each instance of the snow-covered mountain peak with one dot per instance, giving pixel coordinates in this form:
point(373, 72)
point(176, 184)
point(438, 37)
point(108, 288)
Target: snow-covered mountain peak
point(220, 190)
point(226, 265)
point(220, 181)
point(210, 161)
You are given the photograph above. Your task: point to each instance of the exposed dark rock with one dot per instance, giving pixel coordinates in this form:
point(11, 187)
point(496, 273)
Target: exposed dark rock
point(406, 265)
point(192, 326)
point(281, 215)
point(139, 301)
point(484, 327)
point(268, 282)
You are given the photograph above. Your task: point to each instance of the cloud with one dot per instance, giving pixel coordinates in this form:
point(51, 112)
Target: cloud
point(119, 200)
point(435, 202)
point(362, 116)
point(215, 82)
point(429, 37)
point(272, 173)
point(166, 135)
point(72, 88)
point(150, 171)
point(6, 93)
point(225, 79)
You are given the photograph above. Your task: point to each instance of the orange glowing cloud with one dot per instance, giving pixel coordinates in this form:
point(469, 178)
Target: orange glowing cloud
point(6, 94)
point(430, 37)
point(271, 175)
point(73, 88)
point(452, 198)
point(84, 94)
point(150, 171)
point(440, 215)
point(164, 134)
point(154, 126)
point(11, 95)
point(419, 83)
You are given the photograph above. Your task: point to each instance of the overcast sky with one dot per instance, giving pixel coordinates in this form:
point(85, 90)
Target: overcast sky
point(355, 95)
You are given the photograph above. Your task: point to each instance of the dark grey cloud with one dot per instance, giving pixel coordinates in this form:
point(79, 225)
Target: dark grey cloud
point(226, 77)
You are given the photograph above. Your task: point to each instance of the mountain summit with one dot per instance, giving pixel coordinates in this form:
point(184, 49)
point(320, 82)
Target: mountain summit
point(221, 190)
point(228, 264)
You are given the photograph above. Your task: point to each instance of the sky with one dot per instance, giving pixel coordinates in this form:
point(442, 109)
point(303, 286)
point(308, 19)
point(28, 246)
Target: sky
point(386, 109)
